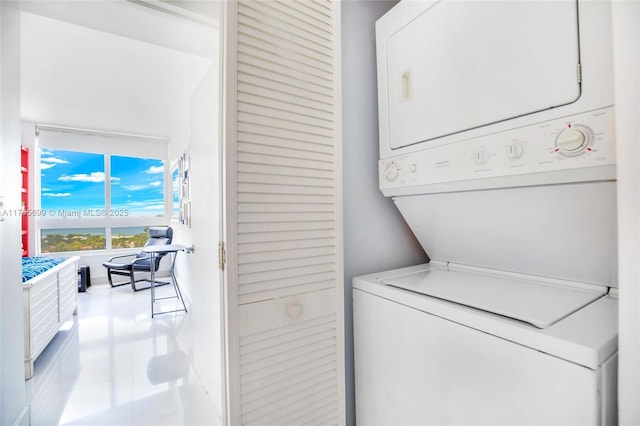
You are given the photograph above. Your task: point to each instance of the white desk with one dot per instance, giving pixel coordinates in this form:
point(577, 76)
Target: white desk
point(153, 252)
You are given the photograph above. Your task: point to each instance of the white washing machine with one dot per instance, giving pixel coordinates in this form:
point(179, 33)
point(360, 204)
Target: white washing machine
point(508, 183)
point(425, 360)
point(528, 338)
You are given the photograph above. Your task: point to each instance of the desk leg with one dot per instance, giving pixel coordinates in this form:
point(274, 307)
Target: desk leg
point(153, 281)
point(175, 282)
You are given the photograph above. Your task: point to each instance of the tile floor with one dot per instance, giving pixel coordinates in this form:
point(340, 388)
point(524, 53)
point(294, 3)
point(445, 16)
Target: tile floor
point(113, 364)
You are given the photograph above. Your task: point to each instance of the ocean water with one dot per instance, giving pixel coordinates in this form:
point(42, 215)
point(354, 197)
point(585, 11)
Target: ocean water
point(129, 230)
point(67, 231)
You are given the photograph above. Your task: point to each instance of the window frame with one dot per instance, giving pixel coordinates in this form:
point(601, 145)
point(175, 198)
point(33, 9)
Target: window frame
point(107, 144)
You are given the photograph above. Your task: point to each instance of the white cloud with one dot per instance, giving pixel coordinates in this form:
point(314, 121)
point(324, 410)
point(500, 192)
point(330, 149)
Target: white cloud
point(47, 160)
point(155, 183)
point(56, 194)
point(54, 160)
point(135, 187)
point(83, 177)
point(94, 177)
point(155, 169)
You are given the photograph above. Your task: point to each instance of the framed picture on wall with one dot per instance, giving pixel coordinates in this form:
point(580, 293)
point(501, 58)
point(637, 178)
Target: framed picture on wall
point(175, 191)
point(181, 190)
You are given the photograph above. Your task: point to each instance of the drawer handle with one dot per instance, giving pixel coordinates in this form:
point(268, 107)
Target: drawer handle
point(294, 310)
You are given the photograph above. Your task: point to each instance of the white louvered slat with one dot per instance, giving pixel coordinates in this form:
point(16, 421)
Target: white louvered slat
point(258, 158)
point(300, 244)
point(295, 400)
point(287, 219)
point(308, 7)
point(281, 180)
point(270, 94)
point(322, 372)
point(285, 124)
point(273, 101)
point(285, 198)
point(284, 207)
point(324, 8)
point(268, 72)
point(299, 73)
point(317, 281)
point(255, 36)
point(289, 291)
point(294, 171)
point(278, 336)
point(250, 228)
point(287, 370)
point(278, 217)
point(288, 152)
point(321, 100)
point(259, 48)
point(272, 277)
point(304, 277)
point(286, 254)
point(280, 265)
point(275, 114)
point(284, 189)
point(317, 416)
point(271, 143)
point(283, 133)
point(281, 16)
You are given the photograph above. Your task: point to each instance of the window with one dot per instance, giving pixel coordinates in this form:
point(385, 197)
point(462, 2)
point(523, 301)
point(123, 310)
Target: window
point(72, 239)
point(71, 182)
point(137, 186)
point(129, 237)
point(100, 193)
point(175, 190)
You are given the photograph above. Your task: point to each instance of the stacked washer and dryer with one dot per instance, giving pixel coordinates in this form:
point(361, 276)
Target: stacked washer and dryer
point(497, 146)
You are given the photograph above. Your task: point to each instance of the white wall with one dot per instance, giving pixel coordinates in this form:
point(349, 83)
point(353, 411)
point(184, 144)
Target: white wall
point(376, 238)
point(626, 32)
point(12, 388)
point(198, 272)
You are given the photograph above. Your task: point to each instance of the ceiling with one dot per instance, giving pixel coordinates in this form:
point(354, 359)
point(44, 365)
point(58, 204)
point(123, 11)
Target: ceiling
point(110, 66)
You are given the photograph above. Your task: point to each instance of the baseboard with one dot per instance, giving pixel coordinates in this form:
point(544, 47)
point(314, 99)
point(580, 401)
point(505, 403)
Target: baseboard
point(24, 419)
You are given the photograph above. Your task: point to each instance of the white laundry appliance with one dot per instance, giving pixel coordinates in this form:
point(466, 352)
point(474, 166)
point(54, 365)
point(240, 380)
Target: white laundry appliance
point(497, 146)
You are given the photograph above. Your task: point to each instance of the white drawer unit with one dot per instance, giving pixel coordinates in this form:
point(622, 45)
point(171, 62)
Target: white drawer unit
point(48, 300)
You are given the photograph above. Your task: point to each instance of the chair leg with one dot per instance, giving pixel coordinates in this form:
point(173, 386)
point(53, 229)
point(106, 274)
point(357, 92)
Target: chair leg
point(133, 281)
point(110, 278)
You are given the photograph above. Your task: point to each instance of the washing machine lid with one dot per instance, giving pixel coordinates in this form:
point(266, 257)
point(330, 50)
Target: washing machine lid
point(534, 300)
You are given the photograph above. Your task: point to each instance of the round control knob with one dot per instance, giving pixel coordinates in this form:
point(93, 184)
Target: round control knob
point(571, 140)
point(514, 151)
point(481, 156)
point(391, 172)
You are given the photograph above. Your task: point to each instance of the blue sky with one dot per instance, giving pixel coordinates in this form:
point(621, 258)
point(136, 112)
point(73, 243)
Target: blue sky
point(76, 181)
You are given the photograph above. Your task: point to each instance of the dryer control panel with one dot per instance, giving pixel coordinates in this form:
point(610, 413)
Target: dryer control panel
point(579, 148)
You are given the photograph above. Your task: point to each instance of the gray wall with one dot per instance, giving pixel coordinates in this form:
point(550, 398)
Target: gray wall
point(376, 238)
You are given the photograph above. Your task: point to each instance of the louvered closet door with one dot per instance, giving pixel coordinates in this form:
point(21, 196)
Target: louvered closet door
point(286, 366)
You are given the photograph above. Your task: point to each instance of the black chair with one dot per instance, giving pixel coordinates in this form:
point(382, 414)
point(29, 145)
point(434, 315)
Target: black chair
point(140, 262)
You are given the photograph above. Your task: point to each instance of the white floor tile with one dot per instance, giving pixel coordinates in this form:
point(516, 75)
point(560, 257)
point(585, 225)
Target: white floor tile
point(115, 365)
